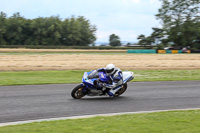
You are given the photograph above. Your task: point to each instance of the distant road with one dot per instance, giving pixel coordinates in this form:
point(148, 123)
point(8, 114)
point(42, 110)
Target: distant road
point(31, 102)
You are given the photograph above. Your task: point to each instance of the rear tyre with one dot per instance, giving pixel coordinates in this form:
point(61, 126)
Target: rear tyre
point(121, 90)
point(77, 92)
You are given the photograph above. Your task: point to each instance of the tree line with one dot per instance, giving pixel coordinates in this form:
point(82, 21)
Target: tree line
point(180, 20)
point(17, 30)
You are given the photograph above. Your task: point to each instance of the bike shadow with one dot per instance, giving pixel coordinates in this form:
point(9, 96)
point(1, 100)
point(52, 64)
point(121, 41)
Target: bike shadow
point(102, 98)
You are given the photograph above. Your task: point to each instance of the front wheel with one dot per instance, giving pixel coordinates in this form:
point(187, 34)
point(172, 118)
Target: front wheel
point(77, 92)
point(121, 90)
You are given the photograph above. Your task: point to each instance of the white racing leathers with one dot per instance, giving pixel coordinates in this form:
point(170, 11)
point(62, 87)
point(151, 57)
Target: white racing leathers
point(117, 81)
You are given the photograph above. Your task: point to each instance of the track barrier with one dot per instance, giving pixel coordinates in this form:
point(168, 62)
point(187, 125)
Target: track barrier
point(157, 51)
point(141, 51)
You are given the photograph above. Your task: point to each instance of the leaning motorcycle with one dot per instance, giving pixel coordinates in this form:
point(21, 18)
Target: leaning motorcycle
point(90, 87)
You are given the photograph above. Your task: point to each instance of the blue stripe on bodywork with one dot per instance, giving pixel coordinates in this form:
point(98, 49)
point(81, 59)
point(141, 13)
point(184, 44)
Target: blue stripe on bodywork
point(126, 79)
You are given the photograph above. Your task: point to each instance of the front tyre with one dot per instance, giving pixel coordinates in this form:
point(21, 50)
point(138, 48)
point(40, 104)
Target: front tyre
point(77, 92)
point(121, 90)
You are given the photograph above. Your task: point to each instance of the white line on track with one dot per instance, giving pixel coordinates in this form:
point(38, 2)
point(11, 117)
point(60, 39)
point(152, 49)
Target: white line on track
point(89, 116)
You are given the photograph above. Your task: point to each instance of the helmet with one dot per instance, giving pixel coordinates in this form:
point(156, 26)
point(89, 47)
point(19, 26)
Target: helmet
point(110, 68)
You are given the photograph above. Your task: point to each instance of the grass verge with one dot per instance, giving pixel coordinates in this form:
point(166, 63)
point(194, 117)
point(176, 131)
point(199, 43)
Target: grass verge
point(162, 122)
point(75, 76)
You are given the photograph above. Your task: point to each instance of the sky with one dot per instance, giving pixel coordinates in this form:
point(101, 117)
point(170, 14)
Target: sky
point(125, 18)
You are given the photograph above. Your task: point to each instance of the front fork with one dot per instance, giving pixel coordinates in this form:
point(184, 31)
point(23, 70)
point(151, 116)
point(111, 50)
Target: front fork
point(85, 89)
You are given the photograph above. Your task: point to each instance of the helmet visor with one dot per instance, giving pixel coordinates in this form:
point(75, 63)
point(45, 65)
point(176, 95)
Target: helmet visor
point(109, 71)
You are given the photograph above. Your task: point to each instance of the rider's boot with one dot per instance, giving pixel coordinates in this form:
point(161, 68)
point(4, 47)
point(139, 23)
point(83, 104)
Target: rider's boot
point(113, 91)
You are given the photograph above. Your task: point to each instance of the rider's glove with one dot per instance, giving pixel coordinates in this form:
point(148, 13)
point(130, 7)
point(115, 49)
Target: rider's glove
point(102, 84)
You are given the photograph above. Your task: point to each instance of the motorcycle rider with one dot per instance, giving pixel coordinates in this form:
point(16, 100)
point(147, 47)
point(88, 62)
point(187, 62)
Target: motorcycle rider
point(115, 75)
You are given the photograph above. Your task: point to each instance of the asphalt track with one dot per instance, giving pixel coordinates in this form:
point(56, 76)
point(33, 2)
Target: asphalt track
point(31, 102)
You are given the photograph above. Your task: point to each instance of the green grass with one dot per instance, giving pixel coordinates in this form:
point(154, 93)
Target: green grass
point(75, 76)
point(40, 77)
point(162, 122)
point(166, 75)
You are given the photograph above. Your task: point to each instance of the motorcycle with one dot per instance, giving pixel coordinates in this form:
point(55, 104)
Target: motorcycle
point(90, 86)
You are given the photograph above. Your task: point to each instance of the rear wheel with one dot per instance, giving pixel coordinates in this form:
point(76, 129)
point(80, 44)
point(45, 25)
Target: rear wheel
point(121, 90)
point(77, 92)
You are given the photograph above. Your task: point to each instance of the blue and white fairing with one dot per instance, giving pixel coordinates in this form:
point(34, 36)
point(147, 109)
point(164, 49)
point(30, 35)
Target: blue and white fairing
point(103, 77)
point(89, 83)
point(127, 76)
